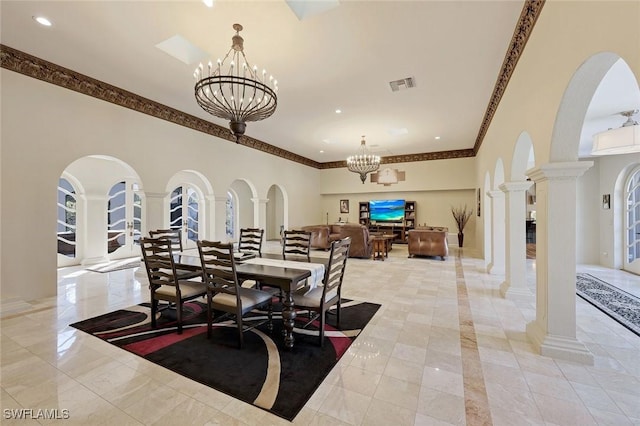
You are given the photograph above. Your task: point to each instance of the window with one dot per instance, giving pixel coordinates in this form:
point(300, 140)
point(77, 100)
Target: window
point(66, 218)
point(632, 215)
point(230, 213)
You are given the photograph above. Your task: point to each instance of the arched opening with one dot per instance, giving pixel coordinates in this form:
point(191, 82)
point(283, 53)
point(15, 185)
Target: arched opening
point(277, 212)
point(245, 204)
point(109, 204)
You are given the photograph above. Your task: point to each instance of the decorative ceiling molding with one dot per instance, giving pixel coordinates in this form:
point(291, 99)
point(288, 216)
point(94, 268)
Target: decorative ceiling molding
point(23, 63)
point(40, 69)
point(408, 158)
point(528, 17)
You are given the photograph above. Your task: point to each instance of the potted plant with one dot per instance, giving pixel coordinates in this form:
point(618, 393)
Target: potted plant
point(461, 216)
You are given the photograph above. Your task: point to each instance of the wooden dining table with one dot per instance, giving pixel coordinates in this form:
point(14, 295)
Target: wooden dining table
point(286, 278)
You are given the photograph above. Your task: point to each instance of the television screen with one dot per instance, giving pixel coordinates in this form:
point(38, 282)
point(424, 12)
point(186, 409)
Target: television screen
point(386, 210)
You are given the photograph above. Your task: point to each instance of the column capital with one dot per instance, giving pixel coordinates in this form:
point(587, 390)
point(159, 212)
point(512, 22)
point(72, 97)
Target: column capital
point(495, 193)
point(260, 200)
point(515, 186)
point(559, 171)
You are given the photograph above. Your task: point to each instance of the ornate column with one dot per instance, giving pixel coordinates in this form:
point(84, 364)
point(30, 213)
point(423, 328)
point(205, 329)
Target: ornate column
point(496, 267)
point(554, 329)
point(515, 283)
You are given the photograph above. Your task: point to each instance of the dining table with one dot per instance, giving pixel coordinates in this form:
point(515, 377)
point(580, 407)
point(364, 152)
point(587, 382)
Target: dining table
point(272, 271)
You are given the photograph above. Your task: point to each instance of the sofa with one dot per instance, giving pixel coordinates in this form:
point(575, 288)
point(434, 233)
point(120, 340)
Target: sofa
point(361, 241)
point(428, 241)
point(323, 235)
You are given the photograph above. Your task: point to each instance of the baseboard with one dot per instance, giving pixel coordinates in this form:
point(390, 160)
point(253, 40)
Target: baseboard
point(558, 347)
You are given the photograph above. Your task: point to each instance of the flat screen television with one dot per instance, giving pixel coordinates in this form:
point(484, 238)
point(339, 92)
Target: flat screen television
point(386, 210)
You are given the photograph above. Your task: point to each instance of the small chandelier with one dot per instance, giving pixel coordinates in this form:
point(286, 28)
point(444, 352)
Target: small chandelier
point(363, 163)
point(240, 93)
point(623, 140)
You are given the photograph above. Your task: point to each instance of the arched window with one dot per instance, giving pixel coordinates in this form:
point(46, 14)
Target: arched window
point(66, 218)
point(632, 222)
point(184, 208)
point(230, 214)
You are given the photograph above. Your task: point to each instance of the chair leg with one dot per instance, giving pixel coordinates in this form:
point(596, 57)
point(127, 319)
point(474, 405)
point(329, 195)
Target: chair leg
point(154, 310)
point(179, 315)
point(240, 331)
point(270, 316)
point(322, 323)
point(338, 315)
point(209, 315)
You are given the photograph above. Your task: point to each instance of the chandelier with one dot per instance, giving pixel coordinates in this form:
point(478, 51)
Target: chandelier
point(623, 140)
point(235, 91)
point(363, 163)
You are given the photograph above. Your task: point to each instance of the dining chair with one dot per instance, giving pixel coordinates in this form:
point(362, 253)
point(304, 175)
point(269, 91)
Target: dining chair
point(224, 292)
point(165, 282)
point(174, 235)
point(296, 244)
point(251, 240)
point(323, 297)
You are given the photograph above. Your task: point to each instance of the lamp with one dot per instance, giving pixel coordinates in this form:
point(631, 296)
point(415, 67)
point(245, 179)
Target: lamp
point(623, 140)
point(240, 93)
point(363, 163)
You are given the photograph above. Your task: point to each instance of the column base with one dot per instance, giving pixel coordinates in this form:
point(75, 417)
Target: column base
point(496, 270)
point(558, 347)
point(508, 291)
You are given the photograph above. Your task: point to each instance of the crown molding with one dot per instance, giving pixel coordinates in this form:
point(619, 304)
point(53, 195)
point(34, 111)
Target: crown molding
point(408, 158)
point(528, 17)
point(23, 63)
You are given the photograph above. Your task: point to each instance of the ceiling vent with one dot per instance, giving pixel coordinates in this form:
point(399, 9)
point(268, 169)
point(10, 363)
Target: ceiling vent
point(402, 84)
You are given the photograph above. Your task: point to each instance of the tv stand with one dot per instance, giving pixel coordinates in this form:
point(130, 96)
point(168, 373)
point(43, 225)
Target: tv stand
point(399, 230)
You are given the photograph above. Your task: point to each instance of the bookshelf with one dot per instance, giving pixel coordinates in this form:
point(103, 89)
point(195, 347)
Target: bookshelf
point(363, 213)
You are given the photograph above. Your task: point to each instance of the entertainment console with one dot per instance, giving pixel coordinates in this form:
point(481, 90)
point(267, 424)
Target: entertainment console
point(399, 227)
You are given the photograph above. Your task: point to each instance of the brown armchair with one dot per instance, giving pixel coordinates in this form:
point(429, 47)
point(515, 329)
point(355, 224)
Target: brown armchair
point(323, 235)
point(361, 242)
point(431, 241)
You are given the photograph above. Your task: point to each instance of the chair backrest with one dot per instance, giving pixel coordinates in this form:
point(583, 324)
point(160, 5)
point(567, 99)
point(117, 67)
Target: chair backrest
point(251, 240)
point(334, 272)
point(158, 260)
point(219, 267)
point(296, 243)
point(173, 235)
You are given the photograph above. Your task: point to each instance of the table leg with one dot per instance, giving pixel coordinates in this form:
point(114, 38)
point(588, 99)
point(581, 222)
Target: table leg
point(288, 317)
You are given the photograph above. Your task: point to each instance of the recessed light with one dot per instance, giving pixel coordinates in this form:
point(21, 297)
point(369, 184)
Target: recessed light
point(209, 3)
point(338, 111)
point(437, 138)
point(42, 20)
point(321, 152)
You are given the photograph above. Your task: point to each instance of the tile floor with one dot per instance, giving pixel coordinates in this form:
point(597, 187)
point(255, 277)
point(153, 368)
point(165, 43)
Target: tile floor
point(444, 349)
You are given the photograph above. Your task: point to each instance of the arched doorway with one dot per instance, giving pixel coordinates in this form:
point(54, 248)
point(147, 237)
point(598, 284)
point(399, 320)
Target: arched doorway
point(277, 212)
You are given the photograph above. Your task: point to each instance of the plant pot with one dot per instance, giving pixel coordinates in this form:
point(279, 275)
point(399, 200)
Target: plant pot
point(460, 239)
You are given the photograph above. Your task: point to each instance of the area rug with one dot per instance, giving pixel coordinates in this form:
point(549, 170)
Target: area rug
point(262, 373)
point(618, 304)
point(116, 265)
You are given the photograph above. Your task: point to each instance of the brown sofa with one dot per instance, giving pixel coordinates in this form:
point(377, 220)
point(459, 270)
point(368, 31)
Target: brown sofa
point(361, 244)
point(323, 235)
point(428, 241)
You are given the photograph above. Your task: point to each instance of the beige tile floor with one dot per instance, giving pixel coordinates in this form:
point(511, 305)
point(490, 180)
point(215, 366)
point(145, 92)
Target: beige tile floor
point(444, 349)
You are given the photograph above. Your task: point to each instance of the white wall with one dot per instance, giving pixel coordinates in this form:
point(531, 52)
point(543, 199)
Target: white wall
point(589, 206)
point(45, 128)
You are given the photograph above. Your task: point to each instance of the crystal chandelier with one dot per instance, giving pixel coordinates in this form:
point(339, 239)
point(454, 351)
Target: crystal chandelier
point(363, 163)
point(235, 91)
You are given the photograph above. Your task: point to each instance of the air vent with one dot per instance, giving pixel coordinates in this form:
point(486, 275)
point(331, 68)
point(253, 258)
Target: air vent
point(403, 84)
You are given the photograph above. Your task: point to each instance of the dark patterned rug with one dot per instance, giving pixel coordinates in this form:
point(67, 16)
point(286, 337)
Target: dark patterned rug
point(262, 373)
point(618, 304)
